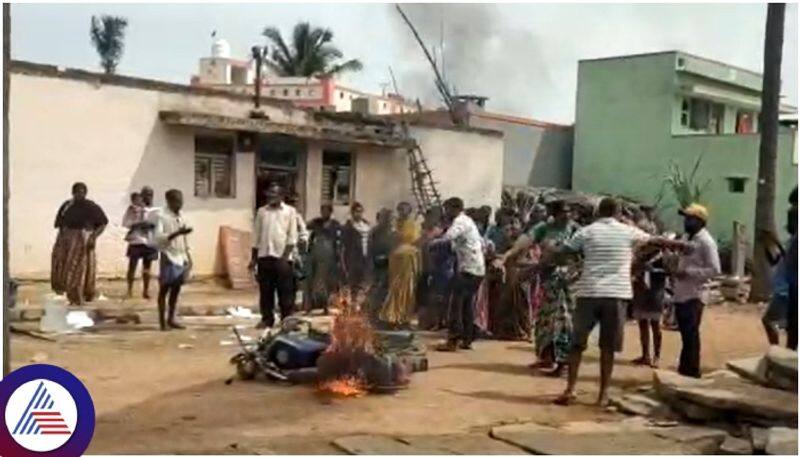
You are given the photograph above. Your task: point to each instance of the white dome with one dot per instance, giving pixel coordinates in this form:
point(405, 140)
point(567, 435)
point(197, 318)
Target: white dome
point(220, 48)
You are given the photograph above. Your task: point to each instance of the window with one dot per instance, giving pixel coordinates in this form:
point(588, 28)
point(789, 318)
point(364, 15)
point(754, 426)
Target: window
point(213, 167)
point(685, 113)
point(703, 115)
point(285, 92)
point(272, 92)
point(341, 94)
point(736, 184)
point(297, 92)
point(745, 122)
point(337, 177)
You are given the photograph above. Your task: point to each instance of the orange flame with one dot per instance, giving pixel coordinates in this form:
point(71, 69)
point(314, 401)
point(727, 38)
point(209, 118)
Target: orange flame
point(348, 386)
point(351, 337)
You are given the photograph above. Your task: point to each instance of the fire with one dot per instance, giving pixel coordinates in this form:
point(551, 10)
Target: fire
point(352, 341)
point(348, 386)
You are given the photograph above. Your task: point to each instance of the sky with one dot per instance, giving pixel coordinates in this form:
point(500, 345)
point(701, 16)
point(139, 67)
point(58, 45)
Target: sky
point(524, 57)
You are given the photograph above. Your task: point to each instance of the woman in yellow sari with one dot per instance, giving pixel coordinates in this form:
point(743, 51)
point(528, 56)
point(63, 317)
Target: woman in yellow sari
point(404, 267)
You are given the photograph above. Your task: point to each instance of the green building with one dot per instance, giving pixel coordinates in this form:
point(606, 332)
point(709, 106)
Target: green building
point(637, 114)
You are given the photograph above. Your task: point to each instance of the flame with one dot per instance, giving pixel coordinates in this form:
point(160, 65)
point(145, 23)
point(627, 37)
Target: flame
point(351, 331)
point(348, 386)
point(351, 338)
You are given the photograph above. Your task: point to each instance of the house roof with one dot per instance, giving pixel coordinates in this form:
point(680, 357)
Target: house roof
point(441, 118)
point(674, 51)
point(37, 69)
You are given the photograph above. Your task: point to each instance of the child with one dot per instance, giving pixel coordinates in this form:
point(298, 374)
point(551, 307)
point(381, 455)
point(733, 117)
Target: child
point(176, 263)
point(134, 215)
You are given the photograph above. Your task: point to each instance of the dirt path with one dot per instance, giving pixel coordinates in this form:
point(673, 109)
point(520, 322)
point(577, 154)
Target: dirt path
point(153, 397)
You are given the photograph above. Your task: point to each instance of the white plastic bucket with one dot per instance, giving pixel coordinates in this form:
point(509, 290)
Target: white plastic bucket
point(54, 319)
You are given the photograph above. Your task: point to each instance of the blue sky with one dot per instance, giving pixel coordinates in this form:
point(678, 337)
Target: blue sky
point(523, 56)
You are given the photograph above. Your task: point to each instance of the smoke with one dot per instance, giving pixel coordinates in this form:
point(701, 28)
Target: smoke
point(482, 56)
point(525, 57)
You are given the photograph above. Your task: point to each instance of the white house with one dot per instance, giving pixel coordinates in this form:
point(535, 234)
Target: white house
point(118, 133)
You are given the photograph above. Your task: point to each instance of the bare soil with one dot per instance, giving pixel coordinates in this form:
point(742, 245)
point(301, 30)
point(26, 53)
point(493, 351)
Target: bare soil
point(165, 392)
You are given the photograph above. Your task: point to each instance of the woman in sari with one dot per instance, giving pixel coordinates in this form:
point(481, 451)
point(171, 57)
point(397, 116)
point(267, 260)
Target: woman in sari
point(510, 312)
point(324, 254)
point(79, 222)
point(404, 267)
point(553, 318)
point(379, 248)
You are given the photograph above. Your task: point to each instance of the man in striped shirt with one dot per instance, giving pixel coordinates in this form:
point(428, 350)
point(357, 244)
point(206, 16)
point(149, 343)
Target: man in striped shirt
point(603, 289)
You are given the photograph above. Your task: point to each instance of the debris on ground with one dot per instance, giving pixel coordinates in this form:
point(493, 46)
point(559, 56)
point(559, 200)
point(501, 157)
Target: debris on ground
point(185, 346)
point(79, 320)
point(240, 312)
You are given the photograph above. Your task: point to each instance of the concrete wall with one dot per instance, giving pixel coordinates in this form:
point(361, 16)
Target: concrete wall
point(64, 130)
point(534, 155)
point(624, 143)
point(465, 164)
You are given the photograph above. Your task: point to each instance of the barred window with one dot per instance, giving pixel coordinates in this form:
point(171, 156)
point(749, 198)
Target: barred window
point(213, 167)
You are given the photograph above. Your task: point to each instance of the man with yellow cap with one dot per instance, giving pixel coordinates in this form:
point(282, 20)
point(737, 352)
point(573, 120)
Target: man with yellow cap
point(694, 267)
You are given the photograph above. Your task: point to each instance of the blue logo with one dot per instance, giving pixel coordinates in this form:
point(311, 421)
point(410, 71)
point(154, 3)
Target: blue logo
point(47, 412)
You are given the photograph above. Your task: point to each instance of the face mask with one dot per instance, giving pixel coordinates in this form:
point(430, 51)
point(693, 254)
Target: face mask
point(691, 225)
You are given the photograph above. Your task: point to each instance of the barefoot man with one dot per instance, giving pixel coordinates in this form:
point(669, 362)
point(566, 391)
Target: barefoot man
point(603, 289)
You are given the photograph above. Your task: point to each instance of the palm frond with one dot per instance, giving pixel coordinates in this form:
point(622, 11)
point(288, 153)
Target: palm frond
point(274, 36)
point(310, 53)
point(350, 65)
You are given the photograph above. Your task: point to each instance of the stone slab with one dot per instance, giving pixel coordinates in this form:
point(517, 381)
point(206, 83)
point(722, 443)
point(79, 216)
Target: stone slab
point(758, 438)
point(556, 442)
point(638, 404)
point(696, 412)
point(379, 445)
point(691, 434)
point(782, 441)
point(729, 394)
point(782, 357)
point(736, 446)
point(781, 369)
point(753, 369)
point(467, 444)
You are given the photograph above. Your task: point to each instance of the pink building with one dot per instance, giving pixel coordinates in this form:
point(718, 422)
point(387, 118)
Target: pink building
point(221, 71)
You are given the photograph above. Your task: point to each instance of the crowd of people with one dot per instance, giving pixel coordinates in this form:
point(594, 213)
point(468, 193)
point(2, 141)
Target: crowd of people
point(530, 276)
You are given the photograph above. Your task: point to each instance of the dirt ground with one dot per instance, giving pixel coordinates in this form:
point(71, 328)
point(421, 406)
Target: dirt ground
point(164, 393)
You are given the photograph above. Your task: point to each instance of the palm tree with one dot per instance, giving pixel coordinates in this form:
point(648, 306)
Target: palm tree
point(765, 231)
point(108, 37)
point(310, 53)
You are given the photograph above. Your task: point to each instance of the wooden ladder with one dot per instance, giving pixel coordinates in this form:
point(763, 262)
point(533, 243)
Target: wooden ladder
point(422, 184)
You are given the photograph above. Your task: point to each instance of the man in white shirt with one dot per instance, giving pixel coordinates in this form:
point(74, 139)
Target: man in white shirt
point(176, 262)
point(274, 239)
point(603, 289)
point(466, 241)
point(694, 268)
